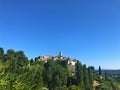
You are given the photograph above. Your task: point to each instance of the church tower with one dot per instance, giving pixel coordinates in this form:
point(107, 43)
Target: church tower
point(60, 54)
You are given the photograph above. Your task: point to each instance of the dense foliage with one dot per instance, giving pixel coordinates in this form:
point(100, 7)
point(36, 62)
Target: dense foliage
point(19, 73)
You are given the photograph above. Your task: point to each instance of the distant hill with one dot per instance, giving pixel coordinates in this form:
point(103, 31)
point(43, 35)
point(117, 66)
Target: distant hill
point(113, 73)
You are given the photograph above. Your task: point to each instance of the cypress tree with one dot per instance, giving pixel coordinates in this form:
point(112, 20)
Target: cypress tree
point(79, 74)
point(86, 78)
point(99, 70)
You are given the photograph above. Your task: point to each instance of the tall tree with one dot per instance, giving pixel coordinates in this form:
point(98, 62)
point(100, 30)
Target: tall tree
point(12, 68)
point(1, 52)
point(79, 74)
point(55, 75)
point(91, 76)
point(86, 78)
point(37, 79)
point(10, 54)
point(100, 70)
point(22, 60)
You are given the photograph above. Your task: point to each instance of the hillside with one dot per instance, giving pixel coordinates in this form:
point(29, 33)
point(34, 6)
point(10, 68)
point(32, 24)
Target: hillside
point(17, 72)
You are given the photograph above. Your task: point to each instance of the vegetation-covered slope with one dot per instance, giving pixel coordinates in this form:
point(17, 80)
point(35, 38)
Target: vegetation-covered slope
point(19, 73)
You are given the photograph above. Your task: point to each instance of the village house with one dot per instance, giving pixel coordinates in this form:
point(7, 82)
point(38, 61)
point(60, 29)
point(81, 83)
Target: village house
point(58, 57)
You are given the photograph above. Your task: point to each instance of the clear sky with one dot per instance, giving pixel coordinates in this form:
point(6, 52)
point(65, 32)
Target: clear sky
point(88, 30)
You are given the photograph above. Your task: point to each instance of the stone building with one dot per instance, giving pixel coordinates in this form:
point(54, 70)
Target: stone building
point(71, 62)
point(59, 57)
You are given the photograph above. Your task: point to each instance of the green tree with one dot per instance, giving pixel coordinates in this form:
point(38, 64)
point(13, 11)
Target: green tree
point(37, 79)
point(55, 75)
point(79, 74)
point(12, 68)
point(86, 78)
point(31, 61)
point(1, 53)
point(21, 60)
point(10, 54)
point(91, 76)
point(100, 70)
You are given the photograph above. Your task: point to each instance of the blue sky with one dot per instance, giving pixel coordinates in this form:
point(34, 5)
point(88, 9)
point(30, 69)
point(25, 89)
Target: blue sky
point(88, 30)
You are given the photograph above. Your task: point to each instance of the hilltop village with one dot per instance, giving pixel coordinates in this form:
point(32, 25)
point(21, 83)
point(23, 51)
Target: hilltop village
point(59, 57)
point(71, 62)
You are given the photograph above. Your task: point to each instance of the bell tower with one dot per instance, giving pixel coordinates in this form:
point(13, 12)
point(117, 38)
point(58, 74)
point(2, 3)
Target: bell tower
point(60, 54)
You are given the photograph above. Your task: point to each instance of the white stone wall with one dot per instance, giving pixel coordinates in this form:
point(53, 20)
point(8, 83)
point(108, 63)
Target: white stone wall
point(73, 62)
